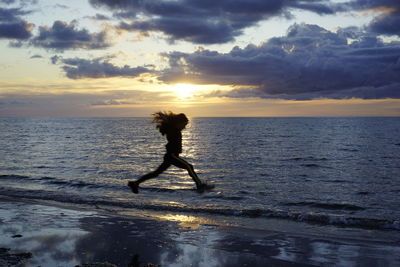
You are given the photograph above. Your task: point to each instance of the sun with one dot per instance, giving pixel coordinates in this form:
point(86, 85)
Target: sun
point(185, 90)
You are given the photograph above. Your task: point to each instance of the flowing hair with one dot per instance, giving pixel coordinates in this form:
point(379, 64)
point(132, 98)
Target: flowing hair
point(167, 120)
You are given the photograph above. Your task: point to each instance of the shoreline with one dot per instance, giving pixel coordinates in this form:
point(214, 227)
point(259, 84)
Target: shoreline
point(60, 235)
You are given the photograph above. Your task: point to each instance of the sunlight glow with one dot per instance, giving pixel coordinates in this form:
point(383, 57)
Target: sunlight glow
point(185, 90)
point(186, 220)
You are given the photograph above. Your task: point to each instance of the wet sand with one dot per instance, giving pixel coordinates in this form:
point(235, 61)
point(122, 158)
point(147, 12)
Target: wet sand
point(70, 236)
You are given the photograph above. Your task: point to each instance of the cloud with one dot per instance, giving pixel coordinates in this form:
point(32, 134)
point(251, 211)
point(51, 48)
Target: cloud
point(77, 68)
point(387, 24)
point(62, 36)
point(204, 22)
point(372, 4)
point(12, 26)
point(61, 6)
point(100, 17)
point(36, 56)
point(97, 103)
point(112, 102)
point(21, 2)
point(189, 29)
point(55, 59)
point(388, 20)
point(20, 30)
point(309, 62)
point(11, 14)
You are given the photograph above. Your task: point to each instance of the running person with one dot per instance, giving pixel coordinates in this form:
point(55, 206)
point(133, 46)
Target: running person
point(171, 125)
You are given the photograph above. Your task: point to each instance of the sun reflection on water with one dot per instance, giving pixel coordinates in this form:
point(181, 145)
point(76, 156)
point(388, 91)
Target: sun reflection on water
point(186, 221)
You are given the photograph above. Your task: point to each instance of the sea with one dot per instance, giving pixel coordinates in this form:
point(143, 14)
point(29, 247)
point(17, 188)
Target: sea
point(333, 171)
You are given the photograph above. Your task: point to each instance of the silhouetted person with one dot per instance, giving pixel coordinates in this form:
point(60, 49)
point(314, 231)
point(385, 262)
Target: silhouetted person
point(171, 125)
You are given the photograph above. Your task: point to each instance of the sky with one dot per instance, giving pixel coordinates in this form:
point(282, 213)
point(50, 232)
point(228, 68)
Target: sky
point(130, 58)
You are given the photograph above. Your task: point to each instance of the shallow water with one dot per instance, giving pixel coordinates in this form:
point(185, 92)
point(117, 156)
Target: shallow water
point(341, 171)
point(66, 237)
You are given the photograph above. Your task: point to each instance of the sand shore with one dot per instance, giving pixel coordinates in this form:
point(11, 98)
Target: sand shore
point(42, 234)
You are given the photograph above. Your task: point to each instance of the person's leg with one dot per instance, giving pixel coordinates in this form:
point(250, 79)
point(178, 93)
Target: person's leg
point(183, 164)
point(165, 165)
point(134, 185)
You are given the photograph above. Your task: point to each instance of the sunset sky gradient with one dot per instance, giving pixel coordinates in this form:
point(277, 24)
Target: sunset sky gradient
point(103, 58)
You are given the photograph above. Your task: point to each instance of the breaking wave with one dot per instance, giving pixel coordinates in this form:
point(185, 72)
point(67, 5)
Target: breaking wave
point(66, 196)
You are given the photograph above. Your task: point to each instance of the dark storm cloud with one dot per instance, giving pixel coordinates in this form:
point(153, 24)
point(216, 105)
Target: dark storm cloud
point(196, 31)
point(387, 23)
point(16, 30)
point(21, 2)
point(370, 4)
point(62, 36)
point(77, 68)
point(12, 26)
point(310, 62)
point(204, 21)
point(11, 14)
point(319, 7)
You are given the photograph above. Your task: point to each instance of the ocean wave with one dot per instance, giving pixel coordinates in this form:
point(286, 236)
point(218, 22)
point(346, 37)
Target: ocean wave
point(224, 197)
point(306, 159)
point(72, 184)
point(49, 180)
point(41, 167)
point(328, 206)
point(337, 181)
point(308, 217)
point(348, 149)
point(311, 165)
point(13, 177)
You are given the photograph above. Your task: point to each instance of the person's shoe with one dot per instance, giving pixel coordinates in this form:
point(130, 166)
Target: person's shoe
point(201, 187)
point(134, 187)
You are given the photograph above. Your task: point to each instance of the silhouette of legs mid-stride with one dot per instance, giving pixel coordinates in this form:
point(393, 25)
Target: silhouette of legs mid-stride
point(169, 159)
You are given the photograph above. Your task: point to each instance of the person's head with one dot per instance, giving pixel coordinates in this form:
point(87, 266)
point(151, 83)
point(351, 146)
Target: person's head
point(181, 121)
point(167, 120)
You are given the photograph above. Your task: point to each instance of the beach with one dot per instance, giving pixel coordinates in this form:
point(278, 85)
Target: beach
point(311, 196)
point(51, 234)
